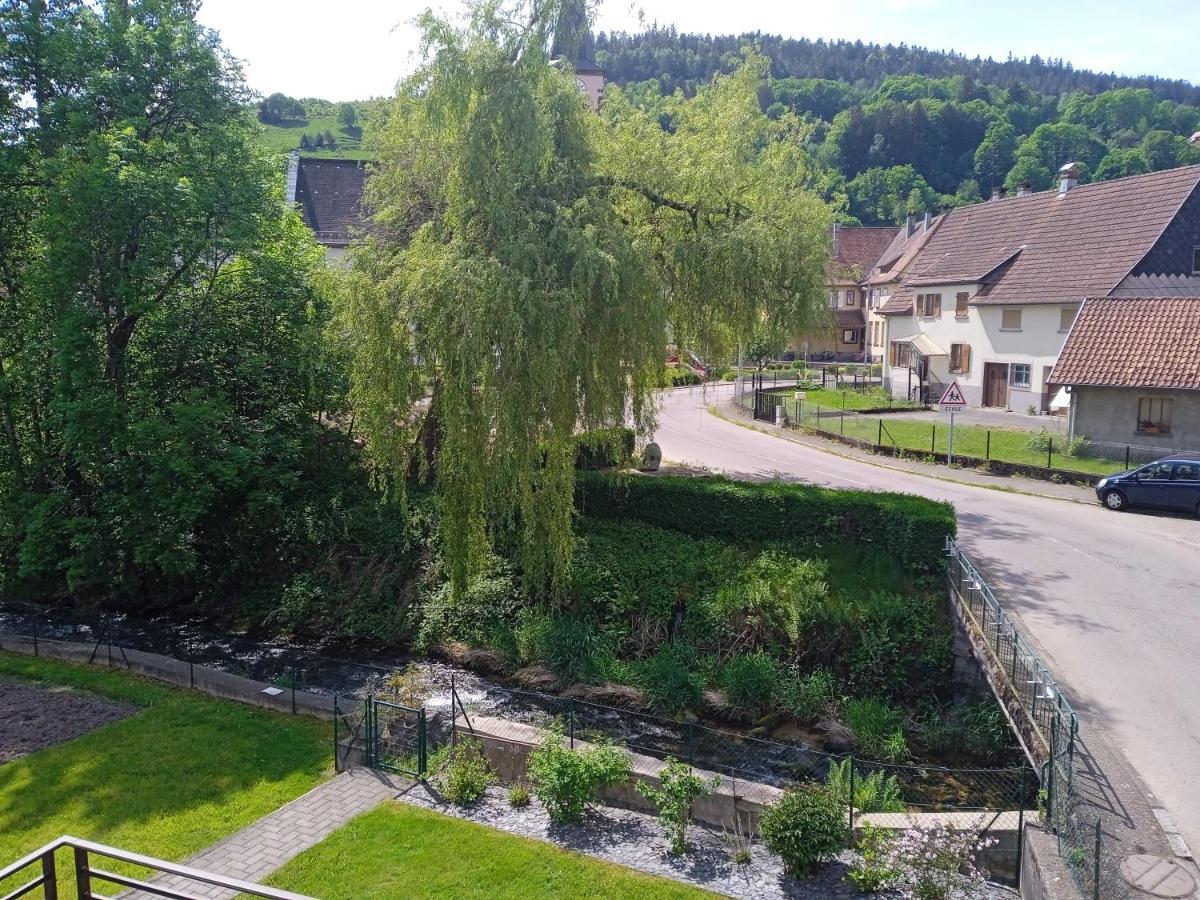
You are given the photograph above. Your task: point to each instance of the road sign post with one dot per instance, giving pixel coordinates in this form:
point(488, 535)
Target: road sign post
point(952, 401)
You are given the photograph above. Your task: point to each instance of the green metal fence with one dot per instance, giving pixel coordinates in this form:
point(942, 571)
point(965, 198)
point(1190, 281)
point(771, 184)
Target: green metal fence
point(396, 737)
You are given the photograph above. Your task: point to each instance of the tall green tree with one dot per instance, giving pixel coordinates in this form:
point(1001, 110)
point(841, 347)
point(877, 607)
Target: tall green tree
point(529, 262)
point(162, 371)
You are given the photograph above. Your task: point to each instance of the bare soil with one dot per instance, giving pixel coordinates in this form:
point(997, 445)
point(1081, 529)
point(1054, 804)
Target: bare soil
point(35, 716)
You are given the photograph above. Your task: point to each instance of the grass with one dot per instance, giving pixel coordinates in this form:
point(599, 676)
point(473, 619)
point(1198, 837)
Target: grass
point(874, 398)
point(285, 137)
point(181, 774)
point(398, 850)
point(919, 436)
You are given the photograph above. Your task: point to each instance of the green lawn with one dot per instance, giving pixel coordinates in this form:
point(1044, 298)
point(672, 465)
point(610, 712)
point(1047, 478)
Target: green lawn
point(874, 398)
point(285, 138)
point(181, 774)
point(402, 851)
point(920, 436)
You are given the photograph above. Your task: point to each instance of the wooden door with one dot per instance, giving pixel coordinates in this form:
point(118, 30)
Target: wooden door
point(995, 384)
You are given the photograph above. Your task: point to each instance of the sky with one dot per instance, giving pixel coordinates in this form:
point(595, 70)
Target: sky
point(354, 49)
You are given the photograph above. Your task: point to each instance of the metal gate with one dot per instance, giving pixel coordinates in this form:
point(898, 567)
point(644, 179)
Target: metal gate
point(765, 403)
point(396, 737)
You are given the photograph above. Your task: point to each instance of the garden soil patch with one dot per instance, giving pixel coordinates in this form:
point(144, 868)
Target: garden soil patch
point(33, 716)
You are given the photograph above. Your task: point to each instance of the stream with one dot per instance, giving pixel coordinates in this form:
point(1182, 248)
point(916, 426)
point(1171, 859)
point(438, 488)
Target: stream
point(777, 761)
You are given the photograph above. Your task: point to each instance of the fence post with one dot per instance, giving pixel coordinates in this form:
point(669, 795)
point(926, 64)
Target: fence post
point(337, 768)
point(1096, 865)
point(879, 441)
point(35, 634)
point(453, 712)
point(295, 675)
point(842, 424)
point(1050, 454)
point(1020, 827)
point(850, 840)
point(932, 438)
point(421, 758)
point(1126, 457)
point(692, 744)
point(987, 453)
point(572, 723)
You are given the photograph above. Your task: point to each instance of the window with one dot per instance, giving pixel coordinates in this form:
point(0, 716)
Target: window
point(960, 304)
point(851, 298)
point(1154, 415)
point(833, 300)
point(1158, 471)
point(929, 306)
point(900, 353)
point(1010, 320)
point(1020, 375)
point(1196, 261)
point(1066, 317)
point(960, 358)
point(1186, 471)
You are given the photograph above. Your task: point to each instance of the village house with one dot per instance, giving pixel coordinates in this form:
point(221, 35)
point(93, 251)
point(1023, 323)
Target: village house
point(328, 193)
point(853, 252)
point(1132, 367)
point(887, 274)
point(995, 289)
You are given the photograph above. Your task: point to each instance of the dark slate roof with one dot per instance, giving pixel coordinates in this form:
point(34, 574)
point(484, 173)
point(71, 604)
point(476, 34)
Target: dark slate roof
point(860, 247)
point(329, 194)
point(1044, 248)
point(1148, 342)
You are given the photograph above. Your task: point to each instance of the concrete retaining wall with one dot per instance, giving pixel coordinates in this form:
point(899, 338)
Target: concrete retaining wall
point(165, 668)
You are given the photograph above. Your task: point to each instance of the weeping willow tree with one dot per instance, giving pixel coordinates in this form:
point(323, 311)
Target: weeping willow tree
point(528, 261)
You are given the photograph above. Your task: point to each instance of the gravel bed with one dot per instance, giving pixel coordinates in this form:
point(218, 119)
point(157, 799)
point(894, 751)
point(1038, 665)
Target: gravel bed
point(33, 717)
point(635, 840)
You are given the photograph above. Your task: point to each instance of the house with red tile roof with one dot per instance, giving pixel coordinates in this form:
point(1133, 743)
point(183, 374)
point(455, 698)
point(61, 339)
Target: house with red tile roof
point(994, 291)
point(1132, 367)
point(853, 253)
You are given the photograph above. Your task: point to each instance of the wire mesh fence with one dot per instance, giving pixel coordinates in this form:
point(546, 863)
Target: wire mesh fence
point(1048, 727)
point(1031, 452)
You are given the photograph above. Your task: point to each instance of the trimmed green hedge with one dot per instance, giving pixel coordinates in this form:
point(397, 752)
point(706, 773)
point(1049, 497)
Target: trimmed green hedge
point(912, 529)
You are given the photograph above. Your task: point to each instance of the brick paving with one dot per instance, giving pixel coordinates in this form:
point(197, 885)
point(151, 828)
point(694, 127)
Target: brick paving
point(259, 849)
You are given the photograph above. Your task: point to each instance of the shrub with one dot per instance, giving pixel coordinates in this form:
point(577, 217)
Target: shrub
point(604, 448)
point(807, 697)
point(489, 605)
point(518, 796)
point(939, 863)
point(873, 869)
point(751, 682)
point(766, 604)
point(912, 529)
point(1040, 442)
point(877, 730)
point(577, 649)
point(679, 789)
point(873, 791)
point(460, 772)
point(566, 780)
point(668, 682)
point(806, 826)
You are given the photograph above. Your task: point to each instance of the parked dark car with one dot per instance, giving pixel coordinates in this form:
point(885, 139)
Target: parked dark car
point(1171, 483)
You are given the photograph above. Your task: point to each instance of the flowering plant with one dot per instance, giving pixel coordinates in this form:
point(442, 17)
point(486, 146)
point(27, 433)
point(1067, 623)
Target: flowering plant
point(940, 862)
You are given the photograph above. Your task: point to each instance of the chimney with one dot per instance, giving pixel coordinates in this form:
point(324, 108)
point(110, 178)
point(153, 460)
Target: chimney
point(1068, 177)
point(999, 193)
point(1195, 138)
point(1025, 189)
point(910, 225)
point(928, 219)
point(836, 238)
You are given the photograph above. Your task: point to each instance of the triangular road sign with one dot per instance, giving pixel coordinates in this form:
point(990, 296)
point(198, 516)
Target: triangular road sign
point(953, 396)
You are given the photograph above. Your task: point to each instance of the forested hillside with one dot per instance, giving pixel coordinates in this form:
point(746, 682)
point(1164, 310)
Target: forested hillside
point(905, 129)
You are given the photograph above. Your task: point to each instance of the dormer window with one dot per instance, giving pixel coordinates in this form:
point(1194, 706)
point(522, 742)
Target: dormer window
point(1196, 261)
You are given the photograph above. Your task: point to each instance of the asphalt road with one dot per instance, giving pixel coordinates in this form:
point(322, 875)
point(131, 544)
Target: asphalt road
point(1112, 600)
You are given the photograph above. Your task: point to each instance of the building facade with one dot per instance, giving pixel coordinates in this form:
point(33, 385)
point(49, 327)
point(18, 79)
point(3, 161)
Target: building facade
point(994, 291)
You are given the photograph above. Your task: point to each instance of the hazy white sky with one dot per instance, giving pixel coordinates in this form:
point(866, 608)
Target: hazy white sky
point(352, 49)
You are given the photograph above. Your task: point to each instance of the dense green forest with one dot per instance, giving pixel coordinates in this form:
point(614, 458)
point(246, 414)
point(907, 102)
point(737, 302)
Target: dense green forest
point(904, 129)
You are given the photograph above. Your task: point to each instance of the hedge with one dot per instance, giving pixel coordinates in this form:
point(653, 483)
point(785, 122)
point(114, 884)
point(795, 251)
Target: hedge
point(912, 529)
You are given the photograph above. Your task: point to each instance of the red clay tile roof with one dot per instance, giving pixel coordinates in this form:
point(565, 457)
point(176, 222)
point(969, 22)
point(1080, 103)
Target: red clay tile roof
point(1046, 249)
point(329, 193)
point(1133, 342)
point(861, 247)
point(900, 252)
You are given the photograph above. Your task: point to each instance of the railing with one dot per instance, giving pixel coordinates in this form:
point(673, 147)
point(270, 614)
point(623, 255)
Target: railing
point(85, 873)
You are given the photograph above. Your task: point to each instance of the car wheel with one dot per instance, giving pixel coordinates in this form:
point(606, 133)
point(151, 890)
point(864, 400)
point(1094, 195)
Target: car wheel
point(1115, 501)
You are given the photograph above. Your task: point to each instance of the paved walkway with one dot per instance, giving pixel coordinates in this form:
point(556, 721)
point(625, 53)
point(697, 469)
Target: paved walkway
point(259, 849)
